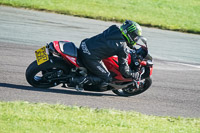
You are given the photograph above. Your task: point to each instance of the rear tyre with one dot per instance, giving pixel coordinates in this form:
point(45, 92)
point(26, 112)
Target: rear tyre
point(131, 90)
point(40, 76)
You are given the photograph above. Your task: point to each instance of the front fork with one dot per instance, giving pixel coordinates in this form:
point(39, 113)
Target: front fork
point(138, 82)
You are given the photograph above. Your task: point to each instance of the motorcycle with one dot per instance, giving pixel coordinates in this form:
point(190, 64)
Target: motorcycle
point(59, 61)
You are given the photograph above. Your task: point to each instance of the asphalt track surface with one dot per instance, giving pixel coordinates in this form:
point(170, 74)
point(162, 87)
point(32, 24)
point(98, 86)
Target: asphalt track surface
point(176, 86)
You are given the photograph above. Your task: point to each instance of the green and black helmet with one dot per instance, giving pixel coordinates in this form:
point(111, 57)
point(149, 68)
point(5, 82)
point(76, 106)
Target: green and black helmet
point(131, 31)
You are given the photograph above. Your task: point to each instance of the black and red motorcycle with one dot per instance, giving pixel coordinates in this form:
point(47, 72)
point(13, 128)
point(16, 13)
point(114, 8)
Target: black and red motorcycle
point(59, 61)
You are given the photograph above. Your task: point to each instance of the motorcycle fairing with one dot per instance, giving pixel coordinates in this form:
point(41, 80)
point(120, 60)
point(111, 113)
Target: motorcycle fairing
point(67, 50)
point(112, 65)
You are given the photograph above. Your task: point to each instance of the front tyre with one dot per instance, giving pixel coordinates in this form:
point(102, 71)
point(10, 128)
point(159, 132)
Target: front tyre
point(131, 90)
point(40, 76)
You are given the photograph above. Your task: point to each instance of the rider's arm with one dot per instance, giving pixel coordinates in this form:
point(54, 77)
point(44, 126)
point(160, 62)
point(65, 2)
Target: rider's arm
point(123, 62)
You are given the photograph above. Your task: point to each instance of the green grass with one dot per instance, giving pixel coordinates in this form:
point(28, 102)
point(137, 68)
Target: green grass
point(180, 15)
point(20, 117)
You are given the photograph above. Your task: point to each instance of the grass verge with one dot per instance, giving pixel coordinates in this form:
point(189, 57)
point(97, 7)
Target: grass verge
point(19, 117)
point(179, 15)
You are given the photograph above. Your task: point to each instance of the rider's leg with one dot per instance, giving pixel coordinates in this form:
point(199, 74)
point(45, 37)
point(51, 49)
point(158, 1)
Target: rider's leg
point(100, 74)
point(95, 66)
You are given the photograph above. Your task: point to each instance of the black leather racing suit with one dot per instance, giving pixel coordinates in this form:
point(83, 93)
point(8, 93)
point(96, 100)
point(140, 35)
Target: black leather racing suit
point(104, 45)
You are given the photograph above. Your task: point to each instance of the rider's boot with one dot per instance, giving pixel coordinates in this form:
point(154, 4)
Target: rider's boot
point(88, 80)
point(78, 82)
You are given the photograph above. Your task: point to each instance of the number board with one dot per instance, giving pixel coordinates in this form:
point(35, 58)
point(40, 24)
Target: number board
point(41, 55)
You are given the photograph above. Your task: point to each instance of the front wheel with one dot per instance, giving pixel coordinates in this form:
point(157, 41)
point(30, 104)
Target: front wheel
point(132, 90)
point(40, 76)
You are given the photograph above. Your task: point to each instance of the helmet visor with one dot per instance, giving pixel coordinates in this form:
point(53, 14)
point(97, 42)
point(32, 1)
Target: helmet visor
point(136, 38)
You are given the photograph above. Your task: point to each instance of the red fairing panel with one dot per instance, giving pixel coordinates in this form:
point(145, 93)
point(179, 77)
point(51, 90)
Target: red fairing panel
point(68, 58)
point(56, 46)
point(112, 66)
point(71, 59)
point(151, 70)
point(129, 59)
point(143, 63)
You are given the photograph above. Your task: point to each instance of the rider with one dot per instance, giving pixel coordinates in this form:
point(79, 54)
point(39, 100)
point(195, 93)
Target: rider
point(113, 41)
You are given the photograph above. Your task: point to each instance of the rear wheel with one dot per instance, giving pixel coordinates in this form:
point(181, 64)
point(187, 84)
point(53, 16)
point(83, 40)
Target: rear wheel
point(41, 76)
point(132, 90)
